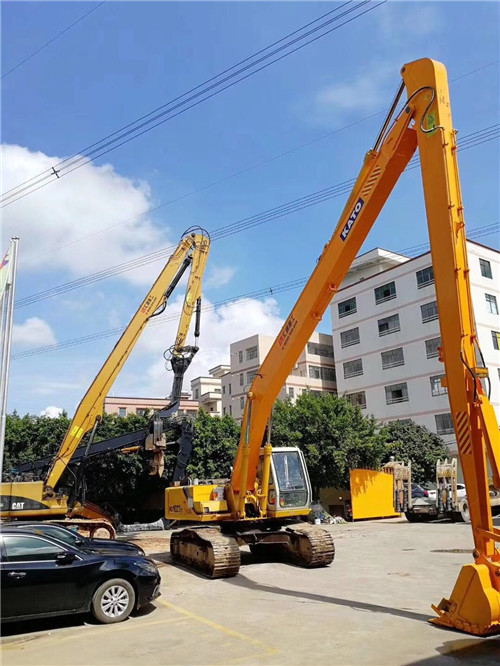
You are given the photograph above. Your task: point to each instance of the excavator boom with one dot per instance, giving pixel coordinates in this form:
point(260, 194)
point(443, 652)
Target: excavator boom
point(192, 250)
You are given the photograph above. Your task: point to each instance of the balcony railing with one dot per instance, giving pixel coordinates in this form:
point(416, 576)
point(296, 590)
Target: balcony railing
point(394, 329)
point(384, 299)
point(349, 343)
point(348, 312)
point(392, 364)
point(393, 401)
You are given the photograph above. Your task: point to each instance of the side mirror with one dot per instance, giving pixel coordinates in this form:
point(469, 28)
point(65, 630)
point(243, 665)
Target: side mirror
point(65, 558)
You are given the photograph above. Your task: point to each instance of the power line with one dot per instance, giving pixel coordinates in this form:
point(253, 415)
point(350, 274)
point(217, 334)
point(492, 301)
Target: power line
point(343, 188)
point(134, 130)
point(241, 171)
point(259, 294)
point(44, 46)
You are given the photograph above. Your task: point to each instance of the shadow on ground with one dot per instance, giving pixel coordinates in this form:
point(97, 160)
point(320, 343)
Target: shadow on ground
point(481, 651)
point(49, 624)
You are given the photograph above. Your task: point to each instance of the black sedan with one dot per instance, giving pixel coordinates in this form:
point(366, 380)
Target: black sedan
point(72, 538)
point(42, 577)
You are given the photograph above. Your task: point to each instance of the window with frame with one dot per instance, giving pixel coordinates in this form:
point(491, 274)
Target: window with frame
point(240, 357)
point(425, 277)
point(353, 368)
point(392, 358)
point(436, 387)
point(350, 337)
point(396, 393)
point(140, 411)
point(491, 304)
point(251, 353)
point(223, 411)
point(385, 293)
point(388, 325)
point(242, 402)
point(432, 347)
point(357, 399)
point(251, 375)
point(229, 388)
point(444, 424)
point(318, 349)
point(242, 379)
point(196, 394)
point(29, 548)
point(122, 411)
point(314, 372)
point(429, 311)
point(223, 390)
point(230, 410)
point(495, 336)
point(347, 307)
point(291, 392)
point(485, 266)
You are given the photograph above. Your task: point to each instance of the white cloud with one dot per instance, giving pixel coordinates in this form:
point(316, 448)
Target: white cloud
point(219, 276)
point(400, 21)
point(52, 412)
point(369, 92)
point(219, 328)
point(79, 206)
point(34, 332)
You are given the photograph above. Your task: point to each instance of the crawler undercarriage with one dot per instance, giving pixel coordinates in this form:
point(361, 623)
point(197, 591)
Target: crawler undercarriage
point(215, 552)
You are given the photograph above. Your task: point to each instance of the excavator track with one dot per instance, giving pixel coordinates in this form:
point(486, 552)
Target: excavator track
point(310, 546)
point(206, 551)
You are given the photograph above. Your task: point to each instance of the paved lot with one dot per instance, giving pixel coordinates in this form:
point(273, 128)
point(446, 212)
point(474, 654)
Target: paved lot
point(369, 607)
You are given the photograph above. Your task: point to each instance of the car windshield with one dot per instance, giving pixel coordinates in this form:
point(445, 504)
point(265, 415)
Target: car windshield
point(289, 471)
point(60, 533)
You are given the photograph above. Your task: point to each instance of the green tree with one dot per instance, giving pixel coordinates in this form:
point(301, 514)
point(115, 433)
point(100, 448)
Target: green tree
point(214, 448)
point(333, 434)
point(410, 441)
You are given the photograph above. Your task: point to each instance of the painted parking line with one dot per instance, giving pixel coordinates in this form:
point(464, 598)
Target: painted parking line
point(266, 649)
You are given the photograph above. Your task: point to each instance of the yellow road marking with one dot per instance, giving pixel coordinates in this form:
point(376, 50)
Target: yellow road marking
point(219, 627)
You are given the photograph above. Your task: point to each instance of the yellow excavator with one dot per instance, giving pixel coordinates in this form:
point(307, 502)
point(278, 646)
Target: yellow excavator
point(270, 487)
point(46, 499)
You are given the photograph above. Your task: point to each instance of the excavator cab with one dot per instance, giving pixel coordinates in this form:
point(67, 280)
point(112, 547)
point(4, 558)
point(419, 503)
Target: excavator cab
point(289, 485)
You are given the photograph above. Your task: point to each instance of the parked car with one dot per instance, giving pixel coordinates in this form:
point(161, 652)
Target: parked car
point(72, 538)
point(42, 577)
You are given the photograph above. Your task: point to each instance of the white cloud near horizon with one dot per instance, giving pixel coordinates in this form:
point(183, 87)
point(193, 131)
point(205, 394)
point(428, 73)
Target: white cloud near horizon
point(34, 332)
point(71, 213)
point(52, 412)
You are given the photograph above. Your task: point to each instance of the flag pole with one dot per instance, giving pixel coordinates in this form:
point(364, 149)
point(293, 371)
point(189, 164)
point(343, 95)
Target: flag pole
point(6, 345)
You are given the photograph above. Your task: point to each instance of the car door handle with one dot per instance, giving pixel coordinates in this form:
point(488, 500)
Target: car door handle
point(17, 574)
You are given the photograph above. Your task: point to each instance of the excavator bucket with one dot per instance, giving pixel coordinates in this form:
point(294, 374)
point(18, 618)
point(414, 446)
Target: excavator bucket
point(474, 605)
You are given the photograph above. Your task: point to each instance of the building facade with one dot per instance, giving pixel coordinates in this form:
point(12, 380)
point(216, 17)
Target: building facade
point(125, 406)
point(386, 338)
point(208, 390)
point(314, 370)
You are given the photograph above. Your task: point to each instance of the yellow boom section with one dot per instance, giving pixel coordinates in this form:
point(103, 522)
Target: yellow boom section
point(192, 250)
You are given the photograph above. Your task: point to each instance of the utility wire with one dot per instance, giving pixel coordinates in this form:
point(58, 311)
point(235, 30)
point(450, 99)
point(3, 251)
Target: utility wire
point(122, 137)
point(343, 188)
point(241, 171)
point(259, 294)
point(44, 46)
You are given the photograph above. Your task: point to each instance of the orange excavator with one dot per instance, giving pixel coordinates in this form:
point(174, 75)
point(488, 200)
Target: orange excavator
point(269, 489)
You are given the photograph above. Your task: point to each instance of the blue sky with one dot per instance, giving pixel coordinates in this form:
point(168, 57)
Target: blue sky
point(127, 58)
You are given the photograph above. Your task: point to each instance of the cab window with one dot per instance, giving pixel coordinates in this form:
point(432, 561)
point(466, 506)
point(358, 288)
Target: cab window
point(289, 470)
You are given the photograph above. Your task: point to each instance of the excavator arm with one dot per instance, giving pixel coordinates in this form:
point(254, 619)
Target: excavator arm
point(192, 251)
point(424, 121)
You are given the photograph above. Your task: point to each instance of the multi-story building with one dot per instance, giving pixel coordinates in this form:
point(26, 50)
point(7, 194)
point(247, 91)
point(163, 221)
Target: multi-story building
point(126, 406)
point(386, 337)
point(208, 391)
point(314, 371)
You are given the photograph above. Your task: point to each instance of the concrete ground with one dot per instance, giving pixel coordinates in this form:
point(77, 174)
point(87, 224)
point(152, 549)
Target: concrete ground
point(369, 607)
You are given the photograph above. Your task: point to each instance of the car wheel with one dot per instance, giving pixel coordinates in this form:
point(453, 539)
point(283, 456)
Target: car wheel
point(113, 601)
point(413, 517)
